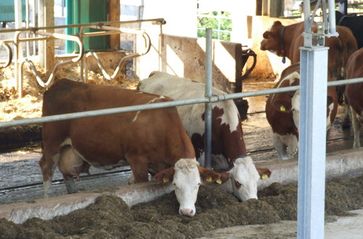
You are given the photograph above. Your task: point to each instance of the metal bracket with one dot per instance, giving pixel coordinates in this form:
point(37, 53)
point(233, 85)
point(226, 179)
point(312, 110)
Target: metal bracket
point(50, 79)
point(5, 44)
point(124, 59)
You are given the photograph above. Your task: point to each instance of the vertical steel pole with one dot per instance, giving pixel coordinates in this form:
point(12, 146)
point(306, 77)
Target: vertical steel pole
point(208, 93)
point(332, 24)
point(312, 142)
point(27, 19)
point(312, 132)
point(19, 51)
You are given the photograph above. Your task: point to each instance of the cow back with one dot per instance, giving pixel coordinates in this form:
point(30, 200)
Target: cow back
point(227, 134)
point(106, 140)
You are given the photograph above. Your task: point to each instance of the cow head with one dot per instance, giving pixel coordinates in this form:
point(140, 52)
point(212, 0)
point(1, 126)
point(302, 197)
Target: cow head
point(186, 179)
point(273, 39)
point(244, 178)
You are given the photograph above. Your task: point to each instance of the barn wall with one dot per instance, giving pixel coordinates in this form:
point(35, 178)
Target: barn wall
point(185, 57)
point(268, 64)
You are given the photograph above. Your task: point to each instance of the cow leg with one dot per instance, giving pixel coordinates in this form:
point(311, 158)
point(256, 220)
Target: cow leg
point(292, 146)
point(139, 167)
point(356, 128)
point(347, 115)
point(279, 146)
point(71, 165)
point(47, 167)
point(70, 184)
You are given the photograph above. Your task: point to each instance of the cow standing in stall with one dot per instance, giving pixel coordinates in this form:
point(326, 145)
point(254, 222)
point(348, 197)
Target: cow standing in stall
point(228, 146)
point(286, 40)
point(354, 93)
point(149, 141)
point(283, 113)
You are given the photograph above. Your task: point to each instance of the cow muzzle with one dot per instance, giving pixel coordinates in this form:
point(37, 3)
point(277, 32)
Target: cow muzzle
point(190, 212)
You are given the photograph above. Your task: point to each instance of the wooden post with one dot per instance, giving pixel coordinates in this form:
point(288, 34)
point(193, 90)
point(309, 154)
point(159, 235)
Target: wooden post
point(114, 15)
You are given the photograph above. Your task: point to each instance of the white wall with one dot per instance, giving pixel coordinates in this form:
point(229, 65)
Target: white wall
point(180, 16)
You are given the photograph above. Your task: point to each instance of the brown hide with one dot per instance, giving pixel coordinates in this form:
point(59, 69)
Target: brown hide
point(286, 40)
point(224, 142)
point(281, 121)
point(152, 139)
point(354, 92)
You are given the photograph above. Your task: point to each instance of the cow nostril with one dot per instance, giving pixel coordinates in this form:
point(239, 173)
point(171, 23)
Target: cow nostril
point(187, 212)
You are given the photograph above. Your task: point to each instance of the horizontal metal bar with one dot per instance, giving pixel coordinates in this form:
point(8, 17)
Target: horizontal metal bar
point(212, 99)
point(33, 39)
point(99, 33)
point(345, 82)
point(32, 29)
point(109, 111)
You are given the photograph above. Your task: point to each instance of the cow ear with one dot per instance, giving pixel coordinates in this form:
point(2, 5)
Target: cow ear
point(264, 173)
point(165, 175)
point(277, 23)
point(266, 34)
point(210, 176)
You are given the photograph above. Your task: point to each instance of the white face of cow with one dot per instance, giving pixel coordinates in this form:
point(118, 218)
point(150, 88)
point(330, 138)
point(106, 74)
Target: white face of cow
point(244, 178)
point(295, 107)
point(186, 183)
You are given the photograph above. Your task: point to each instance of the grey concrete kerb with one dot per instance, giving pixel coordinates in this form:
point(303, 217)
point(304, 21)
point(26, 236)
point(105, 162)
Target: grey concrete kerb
point(342, 163)
point(347, 162)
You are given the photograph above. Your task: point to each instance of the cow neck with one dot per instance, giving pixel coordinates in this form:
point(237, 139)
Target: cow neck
point(282, 43)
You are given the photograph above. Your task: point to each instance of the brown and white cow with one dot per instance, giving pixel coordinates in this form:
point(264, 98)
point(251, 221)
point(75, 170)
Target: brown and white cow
point(285, 41)
point(149, 141)
point(228, 146)
point(354, 93)
point(283, 113)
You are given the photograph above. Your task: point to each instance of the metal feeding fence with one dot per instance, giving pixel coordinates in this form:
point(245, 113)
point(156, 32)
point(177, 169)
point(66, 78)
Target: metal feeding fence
point(40, 34)
point(312, 151)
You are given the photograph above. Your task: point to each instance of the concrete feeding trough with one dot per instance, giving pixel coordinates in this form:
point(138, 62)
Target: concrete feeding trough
point(343, 163)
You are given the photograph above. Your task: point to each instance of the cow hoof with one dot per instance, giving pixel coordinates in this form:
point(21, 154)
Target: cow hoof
point(71, 186)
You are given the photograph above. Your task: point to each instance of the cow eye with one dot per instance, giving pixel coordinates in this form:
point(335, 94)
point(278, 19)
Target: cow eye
point(237, 184)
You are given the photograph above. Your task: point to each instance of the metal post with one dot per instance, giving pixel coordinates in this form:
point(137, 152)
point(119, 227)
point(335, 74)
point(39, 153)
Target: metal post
point(208, 93)
point(307, 25)
point(27, 10)
point(18, 48)
point(332, 26)
point(312, 142)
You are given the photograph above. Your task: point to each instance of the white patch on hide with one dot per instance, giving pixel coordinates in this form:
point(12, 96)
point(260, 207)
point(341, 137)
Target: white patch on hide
point(295, 107)
point(180, 88)
point(330, 110)
point(285, 145)
point(151, 101)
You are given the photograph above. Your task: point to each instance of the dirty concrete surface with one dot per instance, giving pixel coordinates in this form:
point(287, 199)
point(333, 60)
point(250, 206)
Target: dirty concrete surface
point(22, 168)
point(110, 217)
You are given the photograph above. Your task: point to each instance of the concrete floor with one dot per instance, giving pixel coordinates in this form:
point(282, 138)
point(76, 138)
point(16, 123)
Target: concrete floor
point(350, 227)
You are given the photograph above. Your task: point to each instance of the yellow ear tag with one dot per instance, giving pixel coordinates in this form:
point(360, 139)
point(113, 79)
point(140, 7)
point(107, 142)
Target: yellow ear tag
point(264, 176)
point(282, 108)
point(219, 181)
point(209, 179)
point(165, 180)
